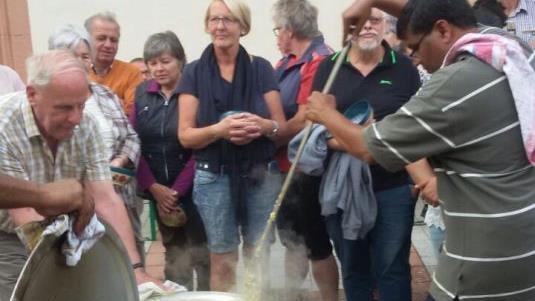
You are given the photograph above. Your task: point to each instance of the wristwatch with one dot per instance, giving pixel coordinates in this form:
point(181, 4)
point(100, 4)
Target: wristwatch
point(274, 129)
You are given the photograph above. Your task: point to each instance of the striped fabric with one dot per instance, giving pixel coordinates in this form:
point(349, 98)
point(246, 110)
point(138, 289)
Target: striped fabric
point(24, 153)
point(522, 21)
point(125, 137)
point(464, 121)
point(121, 138)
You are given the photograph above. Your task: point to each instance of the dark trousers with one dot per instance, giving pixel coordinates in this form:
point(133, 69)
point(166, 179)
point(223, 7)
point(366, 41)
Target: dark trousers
point(382, 258)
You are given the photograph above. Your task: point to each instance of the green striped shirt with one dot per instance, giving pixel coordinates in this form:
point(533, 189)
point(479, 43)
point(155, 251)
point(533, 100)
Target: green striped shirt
point(465, 122)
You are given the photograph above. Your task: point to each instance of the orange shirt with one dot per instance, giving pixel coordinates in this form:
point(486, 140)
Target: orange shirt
point(123, 79)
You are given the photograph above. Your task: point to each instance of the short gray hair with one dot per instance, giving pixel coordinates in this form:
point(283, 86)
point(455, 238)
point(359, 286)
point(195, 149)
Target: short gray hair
point(41, 68)
point(297, 15)
point(68, 37)
point(391, 22)
point(164, 42)
point(106, 16)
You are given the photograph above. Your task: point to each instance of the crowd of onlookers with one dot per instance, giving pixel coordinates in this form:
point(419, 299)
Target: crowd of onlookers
point(210, 142)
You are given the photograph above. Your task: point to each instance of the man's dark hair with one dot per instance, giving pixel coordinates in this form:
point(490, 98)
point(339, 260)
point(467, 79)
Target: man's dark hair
point(419, 16)
point(490, 12)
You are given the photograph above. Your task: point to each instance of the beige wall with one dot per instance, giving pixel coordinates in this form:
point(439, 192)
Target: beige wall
point(15, 40)
point(140, 18)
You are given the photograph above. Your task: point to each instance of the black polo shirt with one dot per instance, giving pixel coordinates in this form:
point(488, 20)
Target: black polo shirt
point(388, 87)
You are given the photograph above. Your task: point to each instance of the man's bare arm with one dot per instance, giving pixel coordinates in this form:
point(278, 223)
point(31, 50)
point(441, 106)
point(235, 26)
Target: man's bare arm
point(49, 199)
point(29, 202)
point(356, 15)
point(423, 176)
point(16, 193)
point(350, 137)
point(111, 208)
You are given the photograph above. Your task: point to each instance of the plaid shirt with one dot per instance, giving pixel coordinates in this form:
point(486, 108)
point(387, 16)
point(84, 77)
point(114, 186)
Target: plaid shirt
point(522, 21)
point(125, 139)
point(24, 153)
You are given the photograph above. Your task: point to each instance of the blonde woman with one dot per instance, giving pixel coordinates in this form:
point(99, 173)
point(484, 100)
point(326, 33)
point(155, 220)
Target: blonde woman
point(230, 114)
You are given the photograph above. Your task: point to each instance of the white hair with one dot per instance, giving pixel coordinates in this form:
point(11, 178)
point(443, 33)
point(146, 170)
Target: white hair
point(41, 68)
point(68, 37)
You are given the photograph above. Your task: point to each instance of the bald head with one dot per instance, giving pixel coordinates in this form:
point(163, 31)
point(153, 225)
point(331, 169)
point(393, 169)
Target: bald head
point(42, 68)
point(57, 90)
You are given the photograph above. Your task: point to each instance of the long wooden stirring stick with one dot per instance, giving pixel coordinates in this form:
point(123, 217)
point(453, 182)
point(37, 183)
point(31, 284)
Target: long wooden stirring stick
point(291, 172)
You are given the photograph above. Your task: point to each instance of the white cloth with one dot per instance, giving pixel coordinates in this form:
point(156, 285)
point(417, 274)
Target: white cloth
point(507, 56)
point(74, 246)
point(433, 217)
point(150, 291)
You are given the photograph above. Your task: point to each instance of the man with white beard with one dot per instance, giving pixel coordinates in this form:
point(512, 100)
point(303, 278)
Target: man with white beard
point(386, 79)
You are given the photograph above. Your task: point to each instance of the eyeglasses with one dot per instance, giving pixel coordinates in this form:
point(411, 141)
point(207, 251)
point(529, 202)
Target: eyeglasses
point(214, 21)
point(417, 46)
point(277, 31)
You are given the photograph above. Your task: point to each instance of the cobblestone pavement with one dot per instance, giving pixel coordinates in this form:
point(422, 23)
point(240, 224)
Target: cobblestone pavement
point(420, 261)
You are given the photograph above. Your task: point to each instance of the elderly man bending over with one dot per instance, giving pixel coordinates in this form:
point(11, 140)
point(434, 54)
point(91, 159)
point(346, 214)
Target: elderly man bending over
point(44, 138)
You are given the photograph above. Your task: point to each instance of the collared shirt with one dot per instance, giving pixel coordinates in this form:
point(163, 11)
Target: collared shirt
point(523, 18)
point(9, 81)
point(295, 77)
point(123, 79)
point(24, 153)
point(465, 122)
point(122, 138)
point(387, 87)
point(117, 133)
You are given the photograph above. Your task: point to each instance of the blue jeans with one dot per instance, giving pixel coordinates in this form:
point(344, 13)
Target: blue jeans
point(212, 196)
point(382, 258)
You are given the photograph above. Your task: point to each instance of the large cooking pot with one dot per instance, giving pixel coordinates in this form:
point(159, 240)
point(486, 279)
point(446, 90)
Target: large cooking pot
point(201, 296)
point(104, 273)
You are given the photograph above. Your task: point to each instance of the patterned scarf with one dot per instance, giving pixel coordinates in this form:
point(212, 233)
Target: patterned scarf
point(507, 56)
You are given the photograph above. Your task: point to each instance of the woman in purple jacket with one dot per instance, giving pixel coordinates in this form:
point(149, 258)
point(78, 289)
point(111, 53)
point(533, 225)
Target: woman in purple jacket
point(166, 170)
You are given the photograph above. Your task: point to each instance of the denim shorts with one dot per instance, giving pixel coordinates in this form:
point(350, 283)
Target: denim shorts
point(212, 196)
